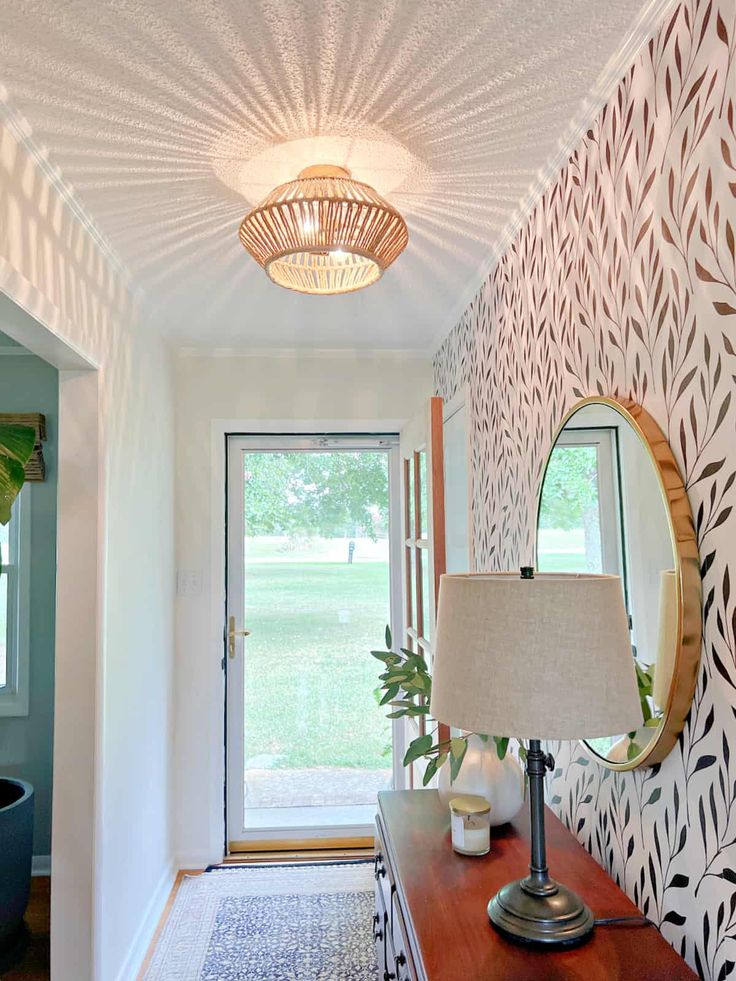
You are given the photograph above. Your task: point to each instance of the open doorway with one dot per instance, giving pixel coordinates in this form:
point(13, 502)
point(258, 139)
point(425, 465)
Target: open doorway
point(311, 586)
point(64, 645)
point(29, 391)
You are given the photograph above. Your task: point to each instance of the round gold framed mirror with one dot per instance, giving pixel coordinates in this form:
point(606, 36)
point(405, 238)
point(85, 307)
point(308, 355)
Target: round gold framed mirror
point(611, 500)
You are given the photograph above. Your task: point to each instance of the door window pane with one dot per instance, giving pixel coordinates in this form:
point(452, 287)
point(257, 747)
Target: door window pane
point(316, 601)
point(426, 597)
point(423, 510)
point(409, 464)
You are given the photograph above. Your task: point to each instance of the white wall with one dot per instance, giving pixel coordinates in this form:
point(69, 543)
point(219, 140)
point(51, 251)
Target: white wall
point(213, 396)
point(112, 814)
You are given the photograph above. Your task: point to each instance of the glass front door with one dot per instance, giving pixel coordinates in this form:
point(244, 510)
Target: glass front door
point(309, 579)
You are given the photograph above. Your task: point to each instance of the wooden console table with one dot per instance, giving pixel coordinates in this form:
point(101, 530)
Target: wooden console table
point(431, 922)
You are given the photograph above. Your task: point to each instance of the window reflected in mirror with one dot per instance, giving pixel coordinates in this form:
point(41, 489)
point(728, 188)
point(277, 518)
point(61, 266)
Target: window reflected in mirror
point(579, 524)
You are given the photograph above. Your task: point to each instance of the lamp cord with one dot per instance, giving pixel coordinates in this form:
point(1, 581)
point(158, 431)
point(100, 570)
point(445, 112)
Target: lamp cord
point(629, 920)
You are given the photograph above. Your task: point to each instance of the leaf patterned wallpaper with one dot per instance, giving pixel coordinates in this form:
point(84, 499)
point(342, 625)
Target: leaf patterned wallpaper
point(623, 282)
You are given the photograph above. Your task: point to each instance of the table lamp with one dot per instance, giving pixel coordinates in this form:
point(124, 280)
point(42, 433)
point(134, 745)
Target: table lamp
point(535, 657)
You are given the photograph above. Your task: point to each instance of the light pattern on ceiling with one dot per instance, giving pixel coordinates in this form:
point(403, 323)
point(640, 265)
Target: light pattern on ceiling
point(164, 117)
point(374, 156)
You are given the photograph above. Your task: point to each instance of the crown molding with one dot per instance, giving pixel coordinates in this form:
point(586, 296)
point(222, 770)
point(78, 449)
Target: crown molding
point(296, 353)
point(646, 24)
point(21, 130)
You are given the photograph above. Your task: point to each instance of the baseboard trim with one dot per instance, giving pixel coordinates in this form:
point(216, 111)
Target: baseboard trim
point(41, 865)
point(149, 921)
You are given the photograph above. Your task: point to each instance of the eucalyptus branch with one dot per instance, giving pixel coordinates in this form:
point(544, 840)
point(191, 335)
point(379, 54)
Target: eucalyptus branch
point(407, 687)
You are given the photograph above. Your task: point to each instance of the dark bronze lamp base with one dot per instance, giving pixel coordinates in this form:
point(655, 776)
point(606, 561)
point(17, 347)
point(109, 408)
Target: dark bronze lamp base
point(540, 912)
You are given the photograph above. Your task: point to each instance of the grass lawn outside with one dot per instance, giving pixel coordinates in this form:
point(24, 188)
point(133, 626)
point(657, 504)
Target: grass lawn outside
point(309, 676)
point(562, 551)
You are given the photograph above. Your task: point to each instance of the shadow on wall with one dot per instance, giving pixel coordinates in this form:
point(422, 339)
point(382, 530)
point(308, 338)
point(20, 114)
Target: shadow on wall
point(119, 504)
point(53, 262)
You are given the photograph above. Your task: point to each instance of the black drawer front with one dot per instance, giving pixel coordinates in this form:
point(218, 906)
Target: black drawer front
point(403, 966)
point(394, 960)
point(383, 877)
point(396, 966)
point(380, 933)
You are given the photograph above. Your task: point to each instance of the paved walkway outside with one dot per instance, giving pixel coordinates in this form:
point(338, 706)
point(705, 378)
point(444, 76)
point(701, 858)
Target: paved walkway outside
point(316, 787)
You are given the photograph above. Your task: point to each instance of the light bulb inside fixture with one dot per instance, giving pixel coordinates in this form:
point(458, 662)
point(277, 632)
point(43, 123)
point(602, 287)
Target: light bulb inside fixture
point(309, 226)
point(339, 255)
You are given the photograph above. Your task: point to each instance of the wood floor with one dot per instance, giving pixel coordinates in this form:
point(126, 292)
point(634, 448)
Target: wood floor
point(29, 957)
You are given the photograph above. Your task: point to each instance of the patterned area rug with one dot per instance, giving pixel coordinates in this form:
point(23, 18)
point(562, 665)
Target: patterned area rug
point(270, 923)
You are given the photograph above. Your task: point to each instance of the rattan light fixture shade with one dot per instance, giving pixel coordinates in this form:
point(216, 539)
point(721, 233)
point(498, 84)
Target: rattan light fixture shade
point(324, 233)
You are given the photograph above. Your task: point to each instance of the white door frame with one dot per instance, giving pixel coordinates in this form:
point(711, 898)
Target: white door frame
point(213, 727)
point(237, 445)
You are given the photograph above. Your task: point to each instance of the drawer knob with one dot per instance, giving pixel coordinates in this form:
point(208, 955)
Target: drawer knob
point(378, 869)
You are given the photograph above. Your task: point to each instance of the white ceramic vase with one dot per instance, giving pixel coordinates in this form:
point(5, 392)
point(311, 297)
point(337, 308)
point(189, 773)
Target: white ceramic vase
point(501, 782)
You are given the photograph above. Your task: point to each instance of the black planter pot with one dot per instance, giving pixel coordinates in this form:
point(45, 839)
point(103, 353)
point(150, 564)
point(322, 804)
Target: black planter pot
point(16, 852)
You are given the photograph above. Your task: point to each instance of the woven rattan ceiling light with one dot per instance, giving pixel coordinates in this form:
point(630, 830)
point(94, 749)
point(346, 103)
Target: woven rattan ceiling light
point(324, 232)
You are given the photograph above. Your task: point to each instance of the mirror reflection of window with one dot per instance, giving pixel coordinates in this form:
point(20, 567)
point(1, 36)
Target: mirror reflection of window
point(579, 516)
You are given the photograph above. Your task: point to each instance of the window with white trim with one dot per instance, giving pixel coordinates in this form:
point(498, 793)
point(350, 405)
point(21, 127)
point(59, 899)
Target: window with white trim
point(580, 521)
point(15, 577)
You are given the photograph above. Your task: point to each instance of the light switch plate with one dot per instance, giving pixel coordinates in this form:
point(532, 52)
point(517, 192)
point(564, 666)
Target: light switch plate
point(189, 582)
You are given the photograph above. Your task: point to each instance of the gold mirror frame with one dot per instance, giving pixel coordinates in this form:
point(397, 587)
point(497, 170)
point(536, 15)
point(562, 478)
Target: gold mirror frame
point(687, 568)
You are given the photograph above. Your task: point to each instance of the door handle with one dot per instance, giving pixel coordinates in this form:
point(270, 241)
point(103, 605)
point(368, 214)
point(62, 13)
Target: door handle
point(232, 633)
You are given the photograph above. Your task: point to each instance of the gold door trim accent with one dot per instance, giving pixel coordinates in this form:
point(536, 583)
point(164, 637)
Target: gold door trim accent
point(299, 844)
point(687, 569)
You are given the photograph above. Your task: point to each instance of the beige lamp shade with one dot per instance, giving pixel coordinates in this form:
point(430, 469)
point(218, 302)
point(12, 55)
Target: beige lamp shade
point(667, 637)
point(542, 658)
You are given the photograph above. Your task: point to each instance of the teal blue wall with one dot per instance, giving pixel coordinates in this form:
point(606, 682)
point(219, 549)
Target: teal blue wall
point(28, 384)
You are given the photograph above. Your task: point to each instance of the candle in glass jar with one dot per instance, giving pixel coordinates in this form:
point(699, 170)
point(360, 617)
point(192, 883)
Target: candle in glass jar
point(471, 825)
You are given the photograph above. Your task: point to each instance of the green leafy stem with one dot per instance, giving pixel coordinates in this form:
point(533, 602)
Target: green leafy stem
point(652, 718)
point(407, 687)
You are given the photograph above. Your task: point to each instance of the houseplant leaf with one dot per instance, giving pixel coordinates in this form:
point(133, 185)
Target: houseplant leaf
point(417, 747)
point(458, 749)
point(429, 772)
point(16, 447)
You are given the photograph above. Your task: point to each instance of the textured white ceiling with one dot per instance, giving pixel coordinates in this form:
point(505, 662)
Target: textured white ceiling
point(167, 117)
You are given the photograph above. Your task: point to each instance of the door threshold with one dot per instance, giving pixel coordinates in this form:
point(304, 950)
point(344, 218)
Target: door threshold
point(310, 845)
point(311, 821)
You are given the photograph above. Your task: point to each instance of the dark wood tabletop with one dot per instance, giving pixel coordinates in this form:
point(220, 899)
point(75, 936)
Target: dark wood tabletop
point(444, 895)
